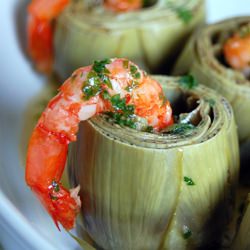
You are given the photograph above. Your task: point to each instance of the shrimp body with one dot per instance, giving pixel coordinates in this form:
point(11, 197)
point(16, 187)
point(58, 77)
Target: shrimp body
point(41, 14)
point(123, 5)
point(237, 51)
point(115, 85)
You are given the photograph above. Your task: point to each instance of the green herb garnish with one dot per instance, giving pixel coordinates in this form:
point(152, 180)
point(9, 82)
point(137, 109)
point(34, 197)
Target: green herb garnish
point(105, 95)
point(184, 14)
point(137, 75)
point(96, 78)
point(210, 101)
point(189, 181)
point(187, 233)
point(181, 128)
point(55, 186)
point(125, 64)
point(119, 104)
point(52, 197)
point(100, 66)
point(133, 69)
point(132, 85)
point(149, 129)
point(123, 114)
point(134, 72)
point(122, 119)
point(92, 86)
point(106, 80)
point(188, 82)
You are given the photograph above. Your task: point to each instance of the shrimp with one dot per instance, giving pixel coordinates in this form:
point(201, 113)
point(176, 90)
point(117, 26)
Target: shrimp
point(116, 86)
point(237, 51)
point(123, 5)
point(40, 29)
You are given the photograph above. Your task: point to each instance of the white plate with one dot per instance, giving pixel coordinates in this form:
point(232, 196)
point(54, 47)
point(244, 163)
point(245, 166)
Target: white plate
point(23, 222)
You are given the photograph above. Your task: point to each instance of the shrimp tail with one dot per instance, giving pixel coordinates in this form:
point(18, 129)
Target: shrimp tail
point(45, 164)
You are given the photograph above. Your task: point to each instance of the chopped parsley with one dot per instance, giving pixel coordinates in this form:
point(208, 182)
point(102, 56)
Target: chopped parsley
point(181, 128)
point(189, 181)
point(188, 82)
point(122, 119)
point(131, 86)
point(210, 101)
point(125, 64)
point(119, 103)
point(133, 69)
point(187, 233)
point(149, 129)
point(184, 14)
point(123, 114)
point(52, 197)
point(96, 78)
point(137, 75)
point(105, 95)
point(100, 66)
point(134, 72)
point(92, 86)
point(55, 186)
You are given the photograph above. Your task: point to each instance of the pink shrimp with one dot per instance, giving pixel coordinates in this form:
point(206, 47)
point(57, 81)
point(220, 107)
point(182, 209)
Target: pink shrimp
point(123, 5)
point(40, 29)
point(114, 85)
point(237, 51)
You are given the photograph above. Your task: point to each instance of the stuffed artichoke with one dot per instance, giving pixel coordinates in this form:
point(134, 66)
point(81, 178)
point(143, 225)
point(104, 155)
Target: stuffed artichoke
point(169, 190)
point(206, 57)
point(151, 36)
point(241, 240)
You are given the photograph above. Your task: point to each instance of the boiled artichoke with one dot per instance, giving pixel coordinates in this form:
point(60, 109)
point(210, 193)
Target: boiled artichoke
point(150, 37)
point(168, 190)
point(242, 239)
point(203, 57)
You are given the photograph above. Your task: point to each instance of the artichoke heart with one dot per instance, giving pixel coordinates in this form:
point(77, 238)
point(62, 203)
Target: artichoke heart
point(150, 37)
point(242, 239)
point(203, 57)
point(168, 190)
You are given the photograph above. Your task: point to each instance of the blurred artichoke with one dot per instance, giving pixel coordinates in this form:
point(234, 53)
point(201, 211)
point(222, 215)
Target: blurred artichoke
point(150, 37)
point(203, 57)
point(242, 239)
point(173, 190)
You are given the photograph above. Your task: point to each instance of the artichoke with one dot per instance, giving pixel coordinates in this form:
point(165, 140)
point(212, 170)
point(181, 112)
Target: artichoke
point(150, 37)
point(203, 57)
point(168, 190)
point(241, 240)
